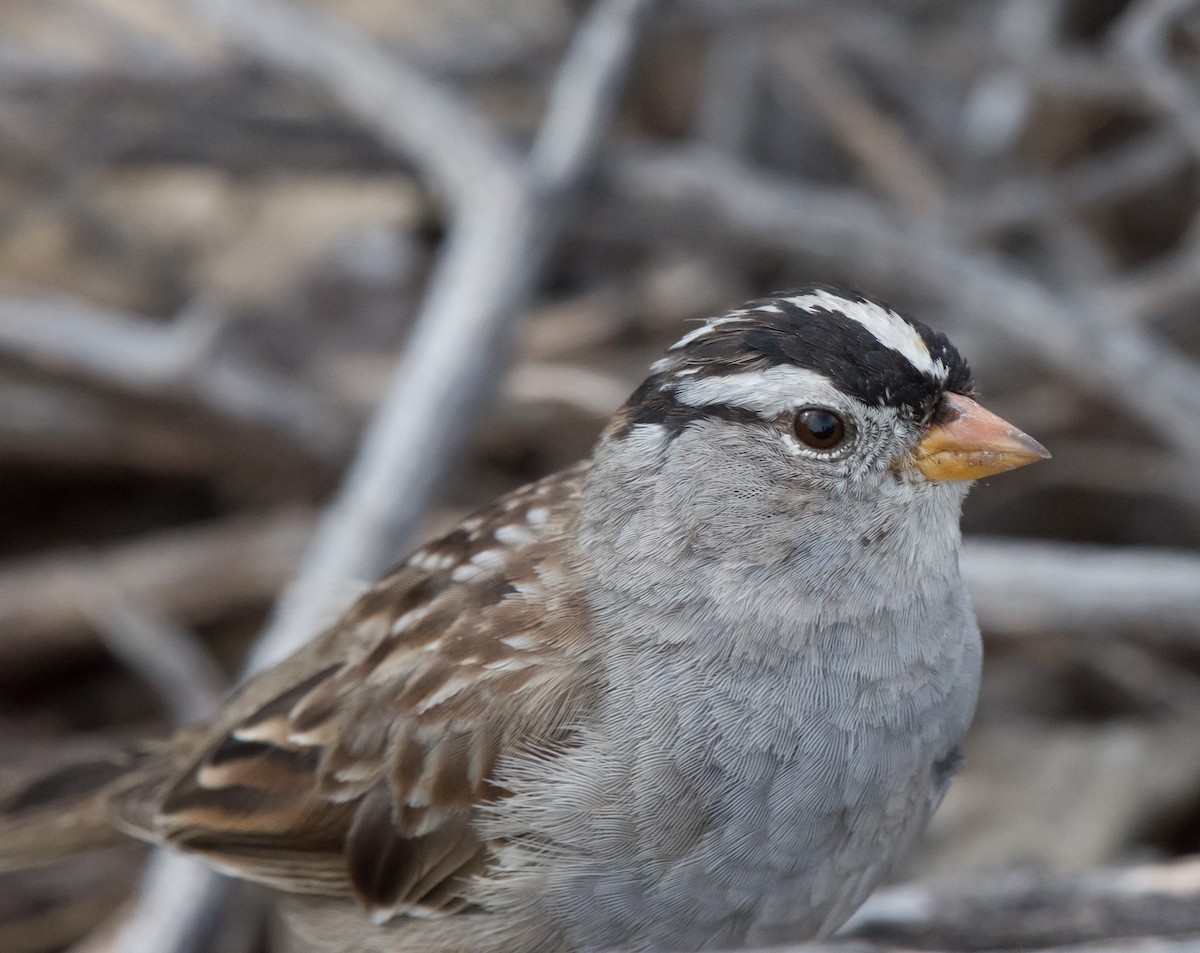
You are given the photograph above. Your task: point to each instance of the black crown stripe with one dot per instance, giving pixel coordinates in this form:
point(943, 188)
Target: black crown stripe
point(822, 339)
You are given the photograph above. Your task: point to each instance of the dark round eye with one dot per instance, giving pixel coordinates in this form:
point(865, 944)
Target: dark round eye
point(820, 429)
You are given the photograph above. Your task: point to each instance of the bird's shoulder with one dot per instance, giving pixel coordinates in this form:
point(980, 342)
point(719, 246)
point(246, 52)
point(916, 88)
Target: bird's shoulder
point(355, 766)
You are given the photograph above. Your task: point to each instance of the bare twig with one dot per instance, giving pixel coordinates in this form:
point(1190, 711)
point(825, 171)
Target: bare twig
point(171, 661)
point(1141, 38)
point(507, 217)
point(878, 143)
point(166, 365)
point(1030, 910)
point(494, 255)
point(196, 575)
point(849, 234)
point(451, 142)
point(1101, 179)
point(1022, 588)
point(733, 77)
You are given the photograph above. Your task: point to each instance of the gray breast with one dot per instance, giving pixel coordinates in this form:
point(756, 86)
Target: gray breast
point(760, 797)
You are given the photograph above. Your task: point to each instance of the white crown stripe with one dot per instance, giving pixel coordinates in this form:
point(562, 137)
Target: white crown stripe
point(767, 392)
point(705, 328)
point(888, 328)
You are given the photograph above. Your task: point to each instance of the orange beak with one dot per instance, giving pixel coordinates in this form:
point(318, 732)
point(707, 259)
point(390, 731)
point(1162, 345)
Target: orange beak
point(974, 443)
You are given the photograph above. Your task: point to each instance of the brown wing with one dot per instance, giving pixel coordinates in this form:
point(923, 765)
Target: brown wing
point(356, 766)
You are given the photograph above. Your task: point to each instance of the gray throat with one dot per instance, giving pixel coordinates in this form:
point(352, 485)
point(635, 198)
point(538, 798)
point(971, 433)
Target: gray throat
point(781, 760)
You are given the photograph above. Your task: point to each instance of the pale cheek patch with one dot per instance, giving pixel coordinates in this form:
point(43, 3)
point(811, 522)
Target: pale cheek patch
point(888, 328)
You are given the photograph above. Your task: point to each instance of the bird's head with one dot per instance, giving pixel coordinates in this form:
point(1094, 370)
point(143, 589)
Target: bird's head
point(816, 419)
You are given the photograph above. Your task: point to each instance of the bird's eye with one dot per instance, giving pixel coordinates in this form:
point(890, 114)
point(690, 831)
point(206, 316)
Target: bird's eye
point(819, 429)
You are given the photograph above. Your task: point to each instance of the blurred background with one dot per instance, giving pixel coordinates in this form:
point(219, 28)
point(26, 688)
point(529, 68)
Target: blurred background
point(223, 224)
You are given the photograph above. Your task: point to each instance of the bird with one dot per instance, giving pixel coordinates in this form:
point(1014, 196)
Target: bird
point(699, 691)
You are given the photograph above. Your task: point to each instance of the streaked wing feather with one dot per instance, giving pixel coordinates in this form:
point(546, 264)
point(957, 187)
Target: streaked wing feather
point(357, 764)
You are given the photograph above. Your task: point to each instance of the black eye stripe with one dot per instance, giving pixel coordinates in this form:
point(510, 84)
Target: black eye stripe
point(820, 338)
point(823, 339)
point(827, 342)
point(651, 404)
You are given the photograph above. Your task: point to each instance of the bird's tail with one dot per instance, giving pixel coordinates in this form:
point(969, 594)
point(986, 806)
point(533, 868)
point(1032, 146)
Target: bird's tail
point(63, 810)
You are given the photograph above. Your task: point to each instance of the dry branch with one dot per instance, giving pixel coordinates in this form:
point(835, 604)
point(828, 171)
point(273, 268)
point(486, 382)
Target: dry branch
point(507, 217)
point(1023, 588)
point(1098, 180)
point(196, 575)
point(1142, 39)
point(847, 233)
point(169, 659)
point(1029, 910)
point(878, 143)
point(167, 366)
point(494, 254)
point(452, 143)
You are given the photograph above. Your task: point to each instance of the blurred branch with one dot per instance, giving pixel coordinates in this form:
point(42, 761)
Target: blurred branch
point(1145, 905)
point(1131, 945)
point(850, 234)
point(175, 887)
point(43, 423)
point(877, 142)
point(495, 252)
point(129, 112)
point(196, 575)
point(733, 78)
point(167, 365)
point(1165, 283)
point(1105, 465)
point(1142, 909)
point(1097, 180)
point(1078, 75)
point(451, 142)
point(1025, 589)
point(176, 890)
point(507, 217)
point(1149, 677)
point(589, 392)
point(170, 660)
point(48, 908)
point(1141, 37)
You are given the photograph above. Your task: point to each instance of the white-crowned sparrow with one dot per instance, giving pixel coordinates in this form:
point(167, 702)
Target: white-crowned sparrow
point(697, 692)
